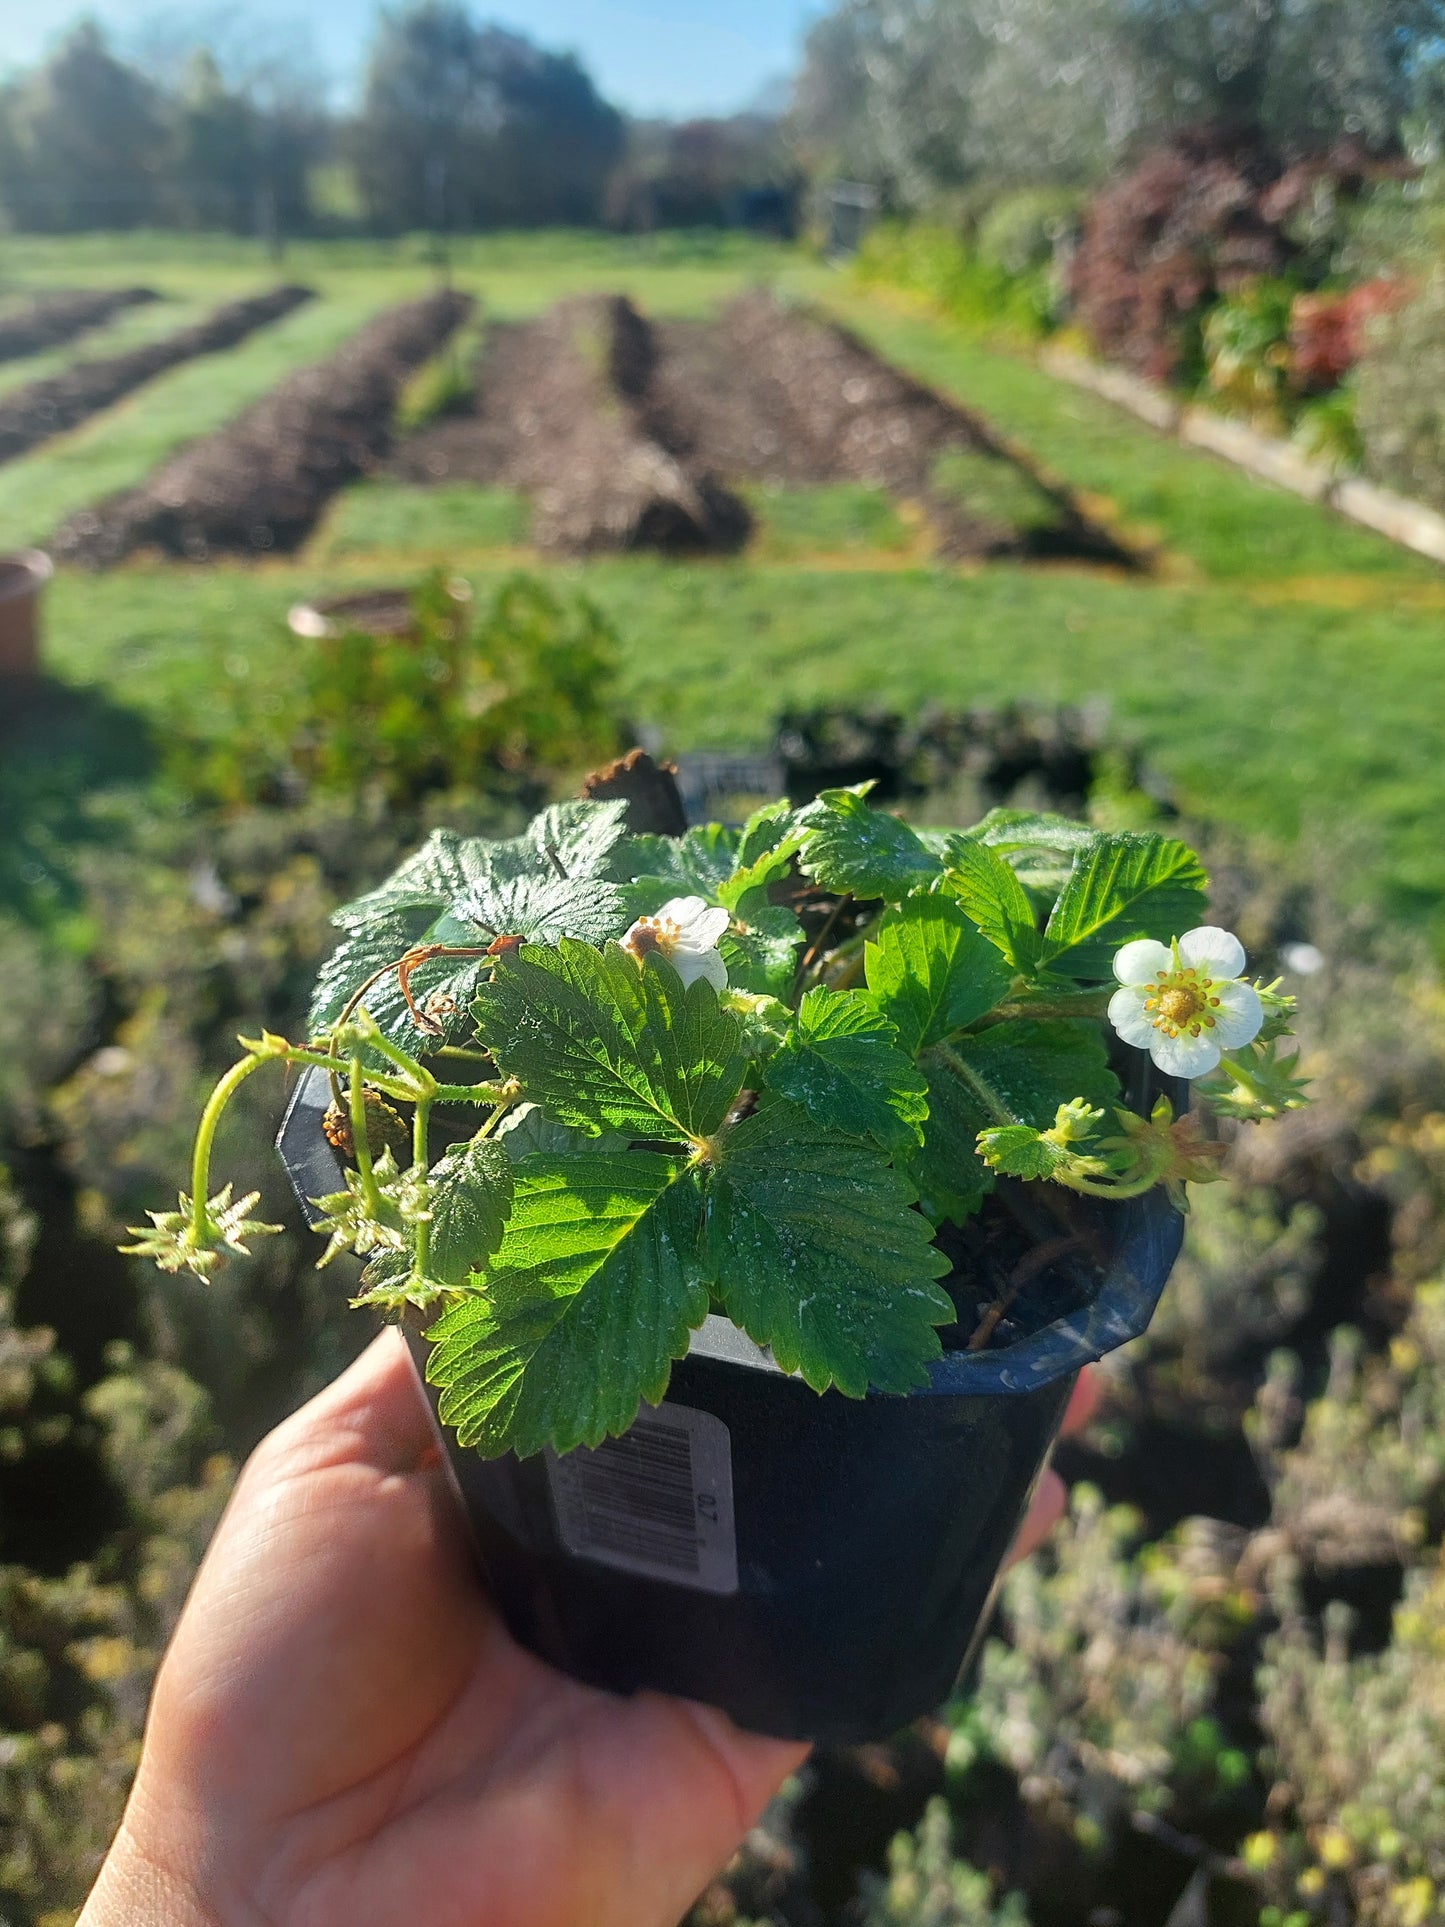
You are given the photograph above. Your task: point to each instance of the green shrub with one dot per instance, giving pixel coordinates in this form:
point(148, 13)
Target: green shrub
point(1356, 1744)
point(928, 1887)
point(925, 259)
point(1401, 388)
point(1246, 350)
point(506, 702)
point(1328, 430)
point(1022, 231)
point(1108, 1680)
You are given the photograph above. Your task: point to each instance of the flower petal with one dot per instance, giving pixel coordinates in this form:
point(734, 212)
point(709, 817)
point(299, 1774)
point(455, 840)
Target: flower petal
point(1184, 1056)
point(707, 964)
point(692, 915)
point(1127, 1015)
point(1142, 959)
point(1239, 1015)
point(1217, 953)
point(707, 928)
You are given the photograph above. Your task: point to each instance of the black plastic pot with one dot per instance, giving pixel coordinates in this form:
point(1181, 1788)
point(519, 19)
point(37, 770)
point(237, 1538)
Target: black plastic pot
point(819, 1567)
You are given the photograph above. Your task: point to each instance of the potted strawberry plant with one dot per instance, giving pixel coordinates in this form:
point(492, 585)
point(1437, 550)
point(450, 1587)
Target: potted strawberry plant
point(751, 1200)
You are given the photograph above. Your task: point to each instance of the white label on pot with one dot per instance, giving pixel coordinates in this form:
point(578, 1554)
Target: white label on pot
point(657, 1501)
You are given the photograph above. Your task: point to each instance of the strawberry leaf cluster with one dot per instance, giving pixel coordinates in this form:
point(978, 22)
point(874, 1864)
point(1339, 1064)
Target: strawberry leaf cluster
point(907, 1014)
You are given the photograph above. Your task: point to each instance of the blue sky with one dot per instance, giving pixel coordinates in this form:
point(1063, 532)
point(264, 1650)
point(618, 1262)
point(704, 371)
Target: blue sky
point(650, 56)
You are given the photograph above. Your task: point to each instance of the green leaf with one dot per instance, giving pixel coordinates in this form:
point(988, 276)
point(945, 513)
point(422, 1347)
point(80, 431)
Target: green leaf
point(814, 1250)
point(527, 1129)
point(599, 1043)
point(692, 865)
point(932, 971)
point(763, 964)
point(1032, 1066)
point(594, 1292)
point(1036, 1064)
point(461, 893)
point(470, 1193)
point(842, 1064)
point(1019, 1151)
point(848, 846)
point(1009, 830)
point(1120, 887)
point(1037, 846)
point(952, 1179)
point(995, 899)
point(581, 840)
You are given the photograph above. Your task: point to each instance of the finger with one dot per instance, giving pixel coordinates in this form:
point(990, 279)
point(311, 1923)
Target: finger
point(375, 1413)
point(1084, 1402)
point(1049, 1503)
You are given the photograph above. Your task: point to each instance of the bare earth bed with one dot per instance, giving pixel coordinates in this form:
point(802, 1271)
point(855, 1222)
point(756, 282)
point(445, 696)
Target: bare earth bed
point(628, 433)
point(46, 320)
point(49, 407)
point(257, 486)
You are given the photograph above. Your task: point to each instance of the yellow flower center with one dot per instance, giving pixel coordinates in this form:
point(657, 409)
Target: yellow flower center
point(652, 936)
point(1181, 1002)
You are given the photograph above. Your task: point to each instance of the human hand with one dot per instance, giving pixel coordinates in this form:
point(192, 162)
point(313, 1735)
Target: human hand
point(343, 1734)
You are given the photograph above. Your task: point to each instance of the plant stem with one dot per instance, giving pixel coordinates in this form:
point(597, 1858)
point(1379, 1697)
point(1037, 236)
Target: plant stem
point(419, 1154)
point(216, 1103)
point(1089, 1188)
point(987, 1096)
point(1083, 1003)
point(360, 1144)
point(470, 1094)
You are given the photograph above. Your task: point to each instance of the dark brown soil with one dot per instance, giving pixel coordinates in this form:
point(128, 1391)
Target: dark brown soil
point(48, 319)
point(769, 393)
point(553, 420)
point(43, 408)
point(625, 432)
point(258, 485)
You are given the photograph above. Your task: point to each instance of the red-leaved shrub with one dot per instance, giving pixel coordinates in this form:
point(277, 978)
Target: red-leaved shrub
point(1328, 332)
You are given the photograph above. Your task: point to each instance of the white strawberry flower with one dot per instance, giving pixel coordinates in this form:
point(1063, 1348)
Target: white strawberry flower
point(686, 930)
point(1185, 1003)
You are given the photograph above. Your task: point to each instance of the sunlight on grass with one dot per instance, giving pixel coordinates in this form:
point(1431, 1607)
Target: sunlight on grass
point(428, 524)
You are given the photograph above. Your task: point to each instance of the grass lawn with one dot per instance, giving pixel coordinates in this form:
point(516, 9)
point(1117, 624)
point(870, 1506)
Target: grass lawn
point(1281, 668)
point(129, 329)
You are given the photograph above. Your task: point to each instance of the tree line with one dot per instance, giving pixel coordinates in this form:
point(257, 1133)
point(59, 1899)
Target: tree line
point(462, 126)
point(924, 97)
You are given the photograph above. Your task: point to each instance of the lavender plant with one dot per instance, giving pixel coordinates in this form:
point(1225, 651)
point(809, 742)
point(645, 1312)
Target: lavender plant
point(750, 1070)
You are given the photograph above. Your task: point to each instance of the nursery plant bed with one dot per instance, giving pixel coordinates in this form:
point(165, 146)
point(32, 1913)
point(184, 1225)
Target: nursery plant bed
point(631, 434)
point(774, 394)
point(41, 409)
point(553, 420)
point(46, 320)
point(258, 485)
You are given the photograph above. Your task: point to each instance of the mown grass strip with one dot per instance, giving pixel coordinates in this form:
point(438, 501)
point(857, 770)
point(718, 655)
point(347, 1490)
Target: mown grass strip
point(420, 524)
point(1229, 526)
point(120, 448)
point(1263, 718)
point(131, 328)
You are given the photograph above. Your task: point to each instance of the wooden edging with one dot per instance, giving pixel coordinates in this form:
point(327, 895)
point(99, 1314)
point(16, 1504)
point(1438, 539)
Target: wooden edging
point(1409, 523)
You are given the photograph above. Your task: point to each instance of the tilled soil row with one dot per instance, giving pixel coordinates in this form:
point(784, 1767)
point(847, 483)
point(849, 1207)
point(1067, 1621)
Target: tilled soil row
point(554, 417)
point(769, 393)
point(49, 319)
point(44, 408)
point(626, 433)
point(258, 485)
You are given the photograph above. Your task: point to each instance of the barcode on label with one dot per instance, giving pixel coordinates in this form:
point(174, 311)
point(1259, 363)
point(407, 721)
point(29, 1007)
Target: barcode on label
point(658, 1500)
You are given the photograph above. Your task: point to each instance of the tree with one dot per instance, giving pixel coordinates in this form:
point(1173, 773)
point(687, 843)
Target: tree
point(923, 96)
point(90, 141)
point(216, 150)
point(471, 126)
